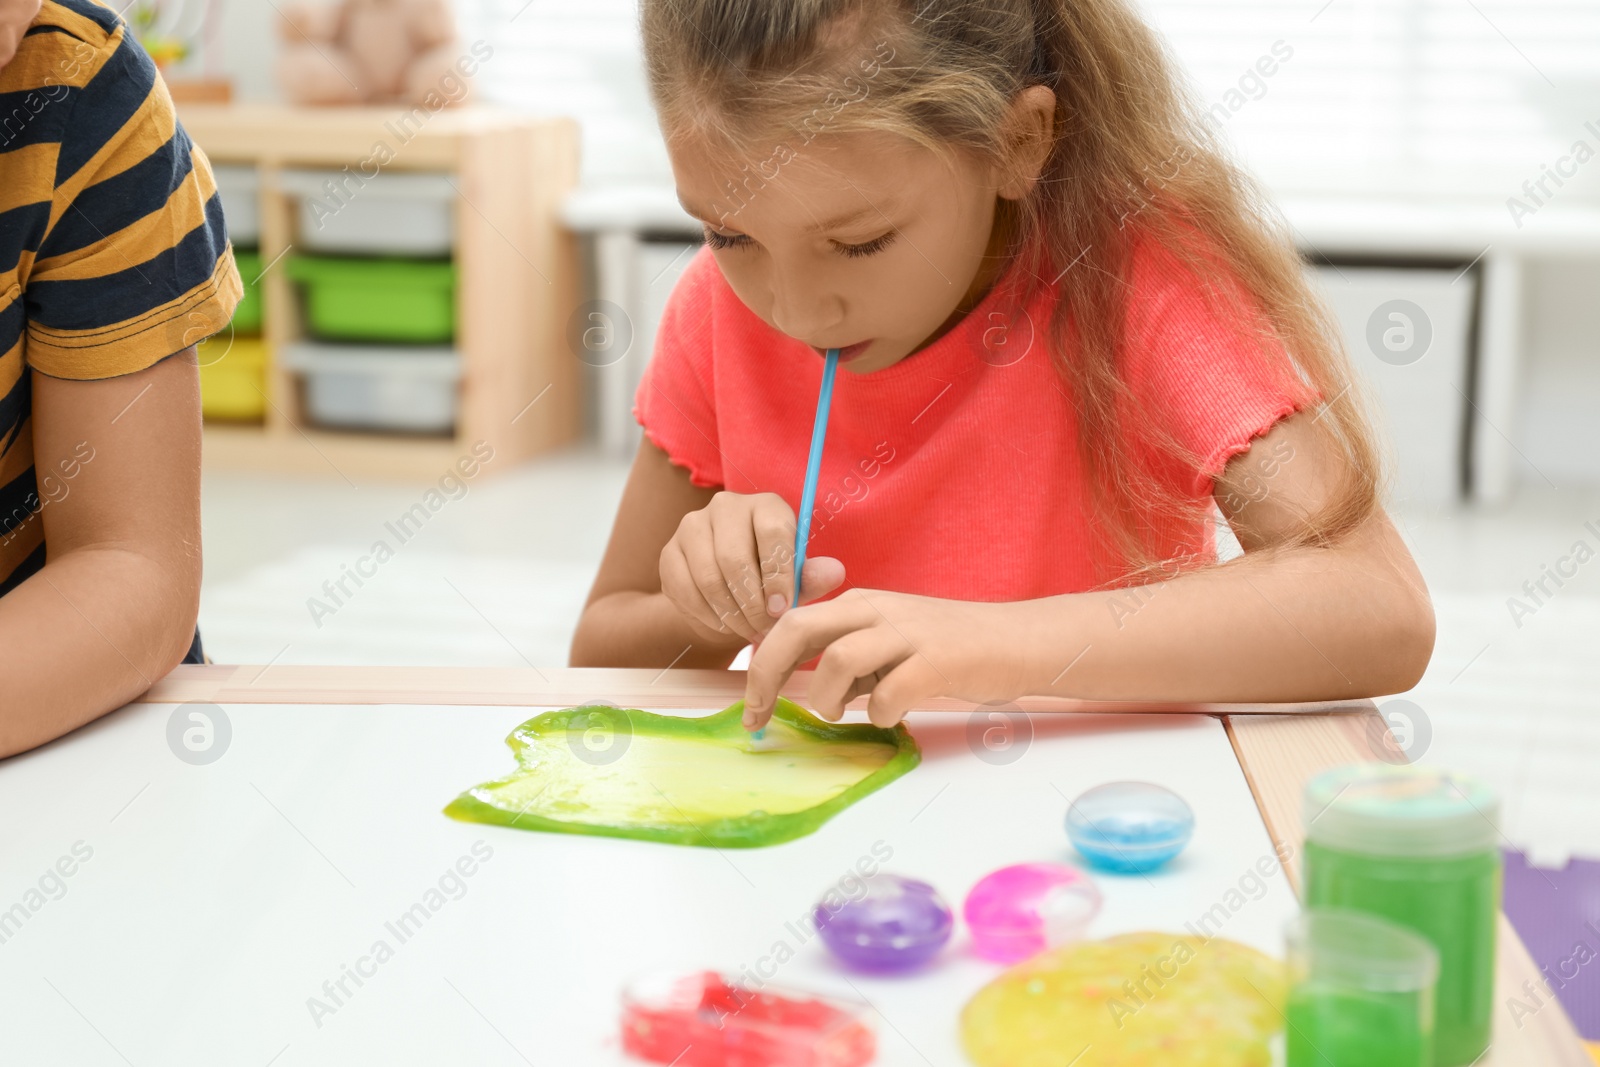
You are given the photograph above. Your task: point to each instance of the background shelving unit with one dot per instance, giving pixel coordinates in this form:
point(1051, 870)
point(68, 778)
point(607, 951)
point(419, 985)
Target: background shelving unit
point(516, 278)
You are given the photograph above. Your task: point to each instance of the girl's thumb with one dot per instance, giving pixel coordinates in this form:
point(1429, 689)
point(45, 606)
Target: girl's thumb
point(819, 577)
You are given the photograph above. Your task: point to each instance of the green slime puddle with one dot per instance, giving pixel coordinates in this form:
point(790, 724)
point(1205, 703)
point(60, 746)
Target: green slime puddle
point(622, 772)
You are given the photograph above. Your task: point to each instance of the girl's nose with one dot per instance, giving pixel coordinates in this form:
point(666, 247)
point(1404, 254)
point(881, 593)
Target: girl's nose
point(804, 313)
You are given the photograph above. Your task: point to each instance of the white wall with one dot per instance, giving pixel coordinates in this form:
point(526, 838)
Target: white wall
point(249, 43)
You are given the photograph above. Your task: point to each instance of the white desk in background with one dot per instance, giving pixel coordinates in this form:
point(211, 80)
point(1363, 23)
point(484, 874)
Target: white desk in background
point(1479, 232)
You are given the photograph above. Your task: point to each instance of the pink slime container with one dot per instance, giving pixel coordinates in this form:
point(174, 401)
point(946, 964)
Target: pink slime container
point(1018, 911)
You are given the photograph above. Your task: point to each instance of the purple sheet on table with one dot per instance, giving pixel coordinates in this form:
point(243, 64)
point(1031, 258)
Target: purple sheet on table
point(1557, 915)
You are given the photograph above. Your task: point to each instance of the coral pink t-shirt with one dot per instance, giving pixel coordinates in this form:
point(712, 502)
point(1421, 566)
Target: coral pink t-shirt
point(953, 473)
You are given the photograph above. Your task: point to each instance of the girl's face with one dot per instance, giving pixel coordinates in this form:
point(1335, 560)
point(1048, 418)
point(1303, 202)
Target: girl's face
point(865, 242)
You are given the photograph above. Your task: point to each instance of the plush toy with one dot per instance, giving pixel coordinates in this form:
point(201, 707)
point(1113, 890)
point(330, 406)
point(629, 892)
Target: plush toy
point(367, 51)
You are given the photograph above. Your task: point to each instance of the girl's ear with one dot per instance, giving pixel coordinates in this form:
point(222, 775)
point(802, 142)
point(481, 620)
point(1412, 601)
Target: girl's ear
point(1029, 133)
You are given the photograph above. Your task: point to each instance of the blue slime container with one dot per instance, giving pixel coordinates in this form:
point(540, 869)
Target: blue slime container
point(1129, 827)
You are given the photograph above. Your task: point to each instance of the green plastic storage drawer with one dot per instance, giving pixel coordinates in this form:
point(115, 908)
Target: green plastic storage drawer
point(377, 299)
point(247, 316)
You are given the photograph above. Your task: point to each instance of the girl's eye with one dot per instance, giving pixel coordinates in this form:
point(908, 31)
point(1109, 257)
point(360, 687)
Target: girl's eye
point(868, 248)
point(725, 240)
point(721, 241)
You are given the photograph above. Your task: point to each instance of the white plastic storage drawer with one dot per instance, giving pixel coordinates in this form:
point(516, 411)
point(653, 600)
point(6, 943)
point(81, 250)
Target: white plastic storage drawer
point(390, 214)
point(373, 387)
point(240, 189)
point(1408, 332)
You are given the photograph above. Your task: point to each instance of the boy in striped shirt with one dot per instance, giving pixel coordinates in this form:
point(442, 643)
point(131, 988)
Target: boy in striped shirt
point(114, 262)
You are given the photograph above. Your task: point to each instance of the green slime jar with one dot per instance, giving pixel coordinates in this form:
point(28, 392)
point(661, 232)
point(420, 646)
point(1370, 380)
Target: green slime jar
point(1416, 846)
point(1360, 994)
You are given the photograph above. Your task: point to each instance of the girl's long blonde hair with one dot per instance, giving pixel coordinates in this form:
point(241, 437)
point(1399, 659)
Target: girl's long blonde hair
point(1132, 154)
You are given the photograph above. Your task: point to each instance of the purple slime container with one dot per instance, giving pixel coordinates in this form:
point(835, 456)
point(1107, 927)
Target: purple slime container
point(899, 924)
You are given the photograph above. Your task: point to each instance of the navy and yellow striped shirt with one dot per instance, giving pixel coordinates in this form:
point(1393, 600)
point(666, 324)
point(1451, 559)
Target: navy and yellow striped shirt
point(113, 253)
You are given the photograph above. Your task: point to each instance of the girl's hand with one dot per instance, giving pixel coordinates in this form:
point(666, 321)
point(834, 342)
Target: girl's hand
point(15, 15)
point(899, 648)
point(729, 569)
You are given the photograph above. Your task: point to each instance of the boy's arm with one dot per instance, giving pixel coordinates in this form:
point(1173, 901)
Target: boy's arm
point(15, 15)
point(118, 464)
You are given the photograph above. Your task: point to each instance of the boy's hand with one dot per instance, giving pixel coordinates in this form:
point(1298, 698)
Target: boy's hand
point(15, 17)
point(730, 566)
point(898, 647)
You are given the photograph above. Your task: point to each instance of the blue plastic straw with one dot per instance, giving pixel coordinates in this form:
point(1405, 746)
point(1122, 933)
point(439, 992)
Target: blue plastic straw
point(808, 495)
point(813, 467)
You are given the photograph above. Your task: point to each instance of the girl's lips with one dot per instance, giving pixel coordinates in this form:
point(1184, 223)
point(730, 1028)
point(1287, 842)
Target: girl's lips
point(847, 353)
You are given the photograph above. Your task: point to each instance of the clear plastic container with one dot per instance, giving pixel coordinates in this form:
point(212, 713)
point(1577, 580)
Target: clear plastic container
point(1361, 992)
point(1129, 827)
point(704, 1019)
point(1018, 911)
point(1420, 847)
point(899, 924)
point(371, 387)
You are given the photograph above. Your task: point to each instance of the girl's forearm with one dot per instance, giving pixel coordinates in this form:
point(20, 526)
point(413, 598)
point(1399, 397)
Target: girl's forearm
point(1300, 624)
point(631, 628)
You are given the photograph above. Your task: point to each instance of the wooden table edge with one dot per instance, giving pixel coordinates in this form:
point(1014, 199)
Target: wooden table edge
point(1279, 747)
point(566, 686)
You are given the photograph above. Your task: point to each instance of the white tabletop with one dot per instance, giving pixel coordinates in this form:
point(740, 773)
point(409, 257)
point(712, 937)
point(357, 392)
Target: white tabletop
point(219, 898)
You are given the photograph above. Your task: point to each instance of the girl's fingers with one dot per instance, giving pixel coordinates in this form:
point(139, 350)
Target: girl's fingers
point(901, 688)
point(733, 542)
point(774, 532)
point(851, 666)
point(797, 637)
point(678, 583)
point(819, 577)
point(700, 552)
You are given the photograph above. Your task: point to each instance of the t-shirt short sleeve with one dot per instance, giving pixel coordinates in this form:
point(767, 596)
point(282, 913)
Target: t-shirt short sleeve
point(675, 403)
point(134, 264)
point(1201, 366)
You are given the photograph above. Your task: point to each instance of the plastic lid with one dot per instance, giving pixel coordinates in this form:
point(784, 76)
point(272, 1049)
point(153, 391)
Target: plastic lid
point(1386, 810)
point(1354, 950)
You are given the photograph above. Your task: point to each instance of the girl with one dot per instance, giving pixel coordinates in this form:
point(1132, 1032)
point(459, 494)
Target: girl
point(1068, 331)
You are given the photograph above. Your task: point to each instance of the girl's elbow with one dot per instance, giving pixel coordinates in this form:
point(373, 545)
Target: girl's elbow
point(1409, 643)
point(587, 648)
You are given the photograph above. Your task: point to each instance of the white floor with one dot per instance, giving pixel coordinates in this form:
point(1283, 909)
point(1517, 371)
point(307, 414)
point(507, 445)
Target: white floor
point(498, 577)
